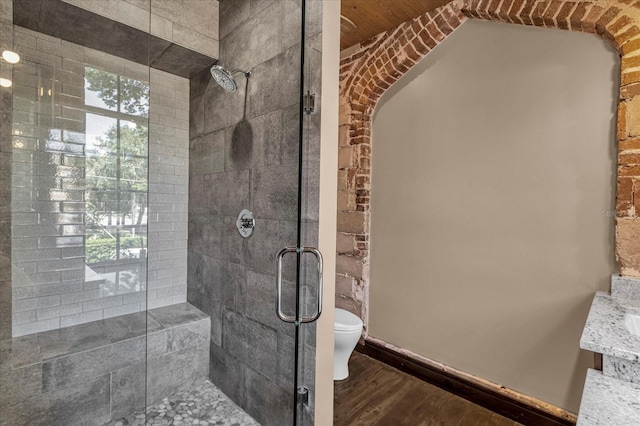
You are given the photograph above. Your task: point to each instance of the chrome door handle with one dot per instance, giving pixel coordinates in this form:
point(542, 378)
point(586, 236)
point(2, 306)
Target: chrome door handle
point(281, 314)
point(318, 256)
point(284, 317)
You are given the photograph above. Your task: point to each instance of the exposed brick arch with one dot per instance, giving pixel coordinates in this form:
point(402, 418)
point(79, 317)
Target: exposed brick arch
point(368, 70)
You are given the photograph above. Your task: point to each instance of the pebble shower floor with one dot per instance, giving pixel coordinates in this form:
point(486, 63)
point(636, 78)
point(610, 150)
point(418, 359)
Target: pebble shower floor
point(203, 406)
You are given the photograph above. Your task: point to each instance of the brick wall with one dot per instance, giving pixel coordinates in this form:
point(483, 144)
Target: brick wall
point(369, 69)
point(52, 285)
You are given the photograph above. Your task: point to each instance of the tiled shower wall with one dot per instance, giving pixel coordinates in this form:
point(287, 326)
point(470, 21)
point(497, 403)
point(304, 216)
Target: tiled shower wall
point(189, 23)
point(6, 41)
point(244, 155)
point(168, 189)
point(52, 287)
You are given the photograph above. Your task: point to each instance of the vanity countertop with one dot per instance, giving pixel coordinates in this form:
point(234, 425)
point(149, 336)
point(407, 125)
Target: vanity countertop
point(605, 332)
point(609, 401)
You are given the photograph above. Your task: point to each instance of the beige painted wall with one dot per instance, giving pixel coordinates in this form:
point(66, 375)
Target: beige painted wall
point(327, 223)
point(493, 183)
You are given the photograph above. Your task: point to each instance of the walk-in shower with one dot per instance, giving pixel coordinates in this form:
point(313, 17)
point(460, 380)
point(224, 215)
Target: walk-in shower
point(126, 292)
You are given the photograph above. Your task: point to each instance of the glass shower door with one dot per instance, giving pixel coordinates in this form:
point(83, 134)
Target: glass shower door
point(246, 167)
point(74, 222)
point(310, 277)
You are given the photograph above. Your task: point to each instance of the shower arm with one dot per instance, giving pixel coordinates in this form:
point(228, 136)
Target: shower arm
point(246, 73)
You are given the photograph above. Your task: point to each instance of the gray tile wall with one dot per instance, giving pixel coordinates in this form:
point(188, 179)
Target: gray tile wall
point(52, 286)
point(92, 373)
point(249, 159)
point(189, 23)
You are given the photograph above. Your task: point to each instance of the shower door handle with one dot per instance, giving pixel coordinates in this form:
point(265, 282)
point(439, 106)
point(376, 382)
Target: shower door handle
point(318, 257)
point(281, 314)
point(284, 317)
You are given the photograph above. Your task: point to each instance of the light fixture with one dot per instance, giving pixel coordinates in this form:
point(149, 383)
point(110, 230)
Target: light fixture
point(347, 25)
point(10, 56)
point(5, 82)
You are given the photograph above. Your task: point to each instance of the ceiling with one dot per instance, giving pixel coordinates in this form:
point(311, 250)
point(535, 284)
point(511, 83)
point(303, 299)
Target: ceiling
point(371, 17)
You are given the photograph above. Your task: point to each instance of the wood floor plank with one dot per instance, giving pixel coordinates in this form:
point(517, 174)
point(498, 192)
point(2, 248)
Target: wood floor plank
point(380, 405)
point(418, 407)
point(376, 394)
point(365, 389)
point(451, 413)
point(421, 413)
point(371, 398)
point(481, 418)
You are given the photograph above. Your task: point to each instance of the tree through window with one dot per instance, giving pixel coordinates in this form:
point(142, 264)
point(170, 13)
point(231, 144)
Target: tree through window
point(117, 165)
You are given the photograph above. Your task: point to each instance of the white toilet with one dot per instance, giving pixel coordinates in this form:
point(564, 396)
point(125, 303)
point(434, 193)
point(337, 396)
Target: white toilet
point(347, 331)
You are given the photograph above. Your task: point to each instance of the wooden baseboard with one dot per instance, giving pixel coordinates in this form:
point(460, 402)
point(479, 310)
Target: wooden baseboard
point(525, 410)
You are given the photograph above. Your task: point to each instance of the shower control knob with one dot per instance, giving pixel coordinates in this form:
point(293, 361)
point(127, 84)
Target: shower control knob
point(245, 223)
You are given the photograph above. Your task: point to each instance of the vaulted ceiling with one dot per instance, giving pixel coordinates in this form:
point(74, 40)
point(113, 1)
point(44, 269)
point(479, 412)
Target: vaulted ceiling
point(371, 17)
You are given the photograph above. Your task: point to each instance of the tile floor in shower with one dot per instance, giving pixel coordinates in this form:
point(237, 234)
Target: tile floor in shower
point(204, 405)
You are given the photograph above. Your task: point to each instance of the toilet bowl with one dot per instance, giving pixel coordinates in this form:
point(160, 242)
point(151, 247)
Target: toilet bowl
point(347, 331)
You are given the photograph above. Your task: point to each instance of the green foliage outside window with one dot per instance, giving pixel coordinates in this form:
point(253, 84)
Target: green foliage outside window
point(133, 95)
point(100, 250)
point(116, 168)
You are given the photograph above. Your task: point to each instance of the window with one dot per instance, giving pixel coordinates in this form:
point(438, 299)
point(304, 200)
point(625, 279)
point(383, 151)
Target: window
point(116, 111)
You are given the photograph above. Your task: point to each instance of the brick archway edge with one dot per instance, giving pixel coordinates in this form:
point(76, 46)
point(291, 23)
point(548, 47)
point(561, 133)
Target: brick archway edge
point(368, 71)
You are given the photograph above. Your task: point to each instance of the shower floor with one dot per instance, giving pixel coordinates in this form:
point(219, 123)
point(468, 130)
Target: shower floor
point(205, 405)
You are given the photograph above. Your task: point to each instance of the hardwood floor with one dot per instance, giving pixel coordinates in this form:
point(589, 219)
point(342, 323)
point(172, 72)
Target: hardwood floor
point(377, 394)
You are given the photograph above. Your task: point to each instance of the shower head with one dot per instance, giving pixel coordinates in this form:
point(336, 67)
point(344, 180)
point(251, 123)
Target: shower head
point(224, 78)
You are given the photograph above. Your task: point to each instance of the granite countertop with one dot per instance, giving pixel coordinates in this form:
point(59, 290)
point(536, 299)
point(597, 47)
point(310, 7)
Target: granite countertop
point(605, 331)
point(609, 401)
